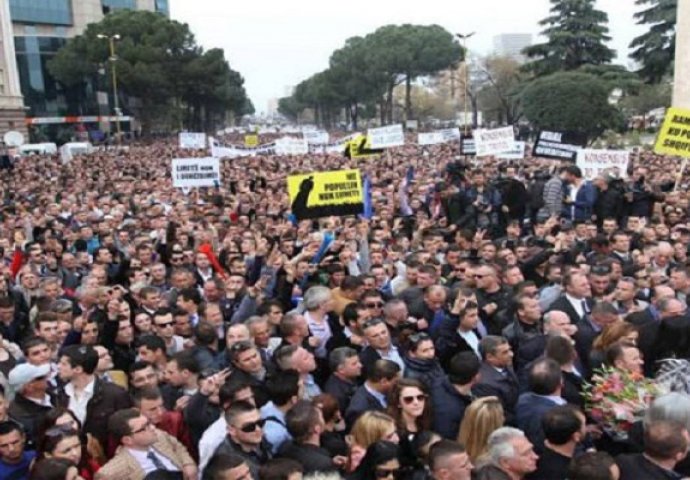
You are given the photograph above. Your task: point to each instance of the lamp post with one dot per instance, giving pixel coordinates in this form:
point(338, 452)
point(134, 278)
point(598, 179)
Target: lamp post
point(113, 71)
point(464, 46)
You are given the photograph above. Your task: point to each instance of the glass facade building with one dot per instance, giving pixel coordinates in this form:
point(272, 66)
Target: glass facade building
point(119, 4)
point(52, 12)
point(163, 7)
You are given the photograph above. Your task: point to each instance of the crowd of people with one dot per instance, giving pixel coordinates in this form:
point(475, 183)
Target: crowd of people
point(152, 333)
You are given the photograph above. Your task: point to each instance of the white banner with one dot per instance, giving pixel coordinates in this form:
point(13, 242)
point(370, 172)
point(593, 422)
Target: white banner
point(291, 146)
point(430, 138)
point(387, 137)
point(316, 137)
point(196, 141)
point(517, 153)
point(195, 172)
point(493, 142)
point(596, 162)
point(450, 134)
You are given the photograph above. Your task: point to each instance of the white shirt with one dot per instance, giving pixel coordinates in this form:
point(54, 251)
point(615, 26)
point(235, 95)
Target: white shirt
point(176, 346)
point(147, 465)
point(472, 340)
point(210, 440)
point(577, 305)
point(394, 356)
point(79, 401)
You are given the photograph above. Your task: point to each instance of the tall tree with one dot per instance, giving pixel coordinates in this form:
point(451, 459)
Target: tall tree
point(576, 35)
point(655, 49)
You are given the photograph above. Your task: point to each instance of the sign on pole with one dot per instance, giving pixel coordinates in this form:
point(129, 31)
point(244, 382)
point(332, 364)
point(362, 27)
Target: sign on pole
point(323, 194)
point(191, 140)
point(674, 136)
point(291, 146)
point(195, 172)
point(387, 137)
point(559, 145)
point(597, 162)
point(467, 145)
point(493, 142)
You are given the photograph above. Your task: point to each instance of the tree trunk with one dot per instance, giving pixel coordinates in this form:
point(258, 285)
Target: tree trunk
point(408, 97)
point(354, 114)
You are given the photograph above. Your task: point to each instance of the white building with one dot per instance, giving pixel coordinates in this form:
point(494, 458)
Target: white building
point(512, 44)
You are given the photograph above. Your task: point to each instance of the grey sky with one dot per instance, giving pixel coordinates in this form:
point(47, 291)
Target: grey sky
point(278, 43)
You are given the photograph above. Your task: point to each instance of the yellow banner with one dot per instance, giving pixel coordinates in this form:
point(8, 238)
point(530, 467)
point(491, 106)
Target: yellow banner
point(251, 141)
point(359, 147)
point(322, 194)
point(674, 136)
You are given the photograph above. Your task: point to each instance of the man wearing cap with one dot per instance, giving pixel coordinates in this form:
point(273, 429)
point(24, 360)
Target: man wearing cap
point(31, 401)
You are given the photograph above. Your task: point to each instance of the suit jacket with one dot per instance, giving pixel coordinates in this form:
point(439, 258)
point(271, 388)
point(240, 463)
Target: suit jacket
point(530, 409)
point(505, 387)
point(635, 466)
point(361, 401)
point(124, 466)
point(368, 357)
point(584, 337)
point(562, 304)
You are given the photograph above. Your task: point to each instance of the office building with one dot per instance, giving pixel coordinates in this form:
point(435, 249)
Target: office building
point(512, 44)
point(11, 103)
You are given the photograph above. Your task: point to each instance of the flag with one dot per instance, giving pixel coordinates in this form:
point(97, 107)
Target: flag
point(368, 207)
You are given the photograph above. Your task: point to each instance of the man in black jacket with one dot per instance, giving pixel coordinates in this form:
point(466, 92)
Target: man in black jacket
point(347, 368)
point(381, 379)
point(496, 376)
point(31, 402)
point(453, 394)
point(609, 202)
point(665, 444)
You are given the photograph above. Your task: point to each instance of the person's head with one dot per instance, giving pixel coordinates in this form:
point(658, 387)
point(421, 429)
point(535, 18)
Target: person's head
point(510, 451)
point(245, 356)
point(36, 350)
point(55, 469)
point(150, 298)
point(482, 417)
point(295, 357)
point(558, 323)
point(30, 380)
point(448, 460)
point(626, 289)
point(61, 442)
point(330, 409)
point(373, 426)
point(149, 401)
point(383, 374)
point(435, 297)
point(486, 277)
point(182, 370)
point(151, 348)
point(496, 351)
point(577, 285)
point(615, 332)
point(318, 298)
point(189, 299)
point(409, 400)
point(420, 346)
point(164, 324)
point(304, 422)
point(281, 469)
point(132, 429)
point(671, 307)
point(90, 333)
point(564, 424)
point(260, 331)
point(235, 390)
point(545, 377)
point(244, 424)
point(142, 374)
point(12, 442)
point(463, 369)
point(604, 313)
point(227, 467)
point(77, 361)
point(665, 441)
point(284, 389)
point(377, 334)
point(672, 407)
point(293, 326)
point(593, 466)
point(345, 362)
point(528, 309)
point(624, 356)
point(47, 327)
point(380, 462)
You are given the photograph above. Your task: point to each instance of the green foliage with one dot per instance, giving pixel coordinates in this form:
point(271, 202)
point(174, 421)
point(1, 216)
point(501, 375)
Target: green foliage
point(576, 35)
point(570, 101)
point(159, 63)
point(655, 49)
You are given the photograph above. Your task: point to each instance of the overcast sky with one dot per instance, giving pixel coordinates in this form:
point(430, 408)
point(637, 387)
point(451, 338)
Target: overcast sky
point(276, 43)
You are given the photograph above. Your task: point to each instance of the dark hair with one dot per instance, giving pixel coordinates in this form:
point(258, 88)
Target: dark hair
point(190, 294)
point(351, 283)
point(383, 369)
point(6, 302)
point(377, 454)
point(489, 344)
point(51, 437)
point(283, 387)
point(146, 393)
point(329, 406)
point(205, 333)
point(560, 349)
point(238, 408)
point(663, 440)
point(30, 343)
point(185, 361)
point(84, 356)
point(229, 389)
point(442, 449)
point(301, 420)
point(463, 367)
point(9, 426)
point(591, 466)
point(395, 410)
point(151, 342)
point(139, 365)
point(561, 423)
point(545, 377)
point(51, 469)
point(118, 423)
point(279, 469)
point(350, 313)
point(220, 464)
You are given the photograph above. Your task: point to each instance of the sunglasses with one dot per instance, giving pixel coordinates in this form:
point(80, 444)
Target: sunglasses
point(374, 305)
point(385, 472)
point(252, 426)
point(165, 325)
point(407, 400)
point(415, 338)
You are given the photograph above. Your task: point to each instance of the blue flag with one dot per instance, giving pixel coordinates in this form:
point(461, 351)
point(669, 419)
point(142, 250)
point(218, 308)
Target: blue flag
point(328, 238)
point(409, 176)
point(368, 207)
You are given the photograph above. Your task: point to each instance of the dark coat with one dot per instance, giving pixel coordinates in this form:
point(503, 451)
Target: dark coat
point(635, 467)
point(368, 357)
point(29, 414)
point(341, 389)
point(361, 401)
point(311, 457)
point(530, 410)
point(562, 304)
point(505, 387)
point(449, 409)
point(107, 399)
point(428, 372)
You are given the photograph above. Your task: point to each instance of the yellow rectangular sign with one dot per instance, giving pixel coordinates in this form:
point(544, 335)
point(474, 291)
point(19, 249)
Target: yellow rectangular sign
point(251, 141)
point(674, 136)
point(323, 194)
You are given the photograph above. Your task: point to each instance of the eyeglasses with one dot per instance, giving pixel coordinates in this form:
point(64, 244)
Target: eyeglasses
point(374, 305)
point(252, 426)
point(407, 400)
point(386, 472)
point(146, 426)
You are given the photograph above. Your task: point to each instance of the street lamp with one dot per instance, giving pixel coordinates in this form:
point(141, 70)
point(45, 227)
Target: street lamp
point(113, 58)
point(464, 46)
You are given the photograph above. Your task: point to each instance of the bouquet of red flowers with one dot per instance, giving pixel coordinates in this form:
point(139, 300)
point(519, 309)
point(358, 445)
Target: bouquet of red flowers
point(616, 399)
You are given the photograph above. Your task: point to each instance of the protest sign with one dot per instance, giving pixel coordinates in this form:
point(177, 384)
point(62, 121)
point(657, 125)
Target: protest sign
point(493, 142)
point(450, 134)
point(674, 135)
point(596, 162)
point(192, 140)
point(411, 124)
point(291, 146)
point(516, 153)
point(467, 145)
point(360, 147)
point(251, 141)
point(316, 137)
point(559, 145)
point(387, 137)
point(430, 138)
point(323, 194)
point(195, 172)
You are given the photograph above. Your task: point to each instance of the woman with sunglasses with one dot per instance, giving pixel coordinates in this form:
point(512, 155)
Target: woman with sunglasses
point(410, 407)
point(55, 469)
point(420, 359)
point(379, 463)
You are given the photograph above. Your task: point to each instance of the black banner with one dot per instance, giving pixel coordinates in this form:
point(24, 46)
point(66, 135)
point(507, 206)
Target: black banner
point(559, 145)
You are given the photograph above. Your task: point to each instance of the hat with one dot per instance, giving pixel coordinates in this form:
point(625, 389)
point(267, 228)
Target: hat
point(26, 373)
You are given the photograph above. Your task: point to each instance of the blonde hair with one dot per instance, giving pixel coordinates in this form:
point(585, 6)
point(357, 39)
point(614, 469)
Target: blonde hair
point(482, 418)
point(613, 333)
point(371, 427)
